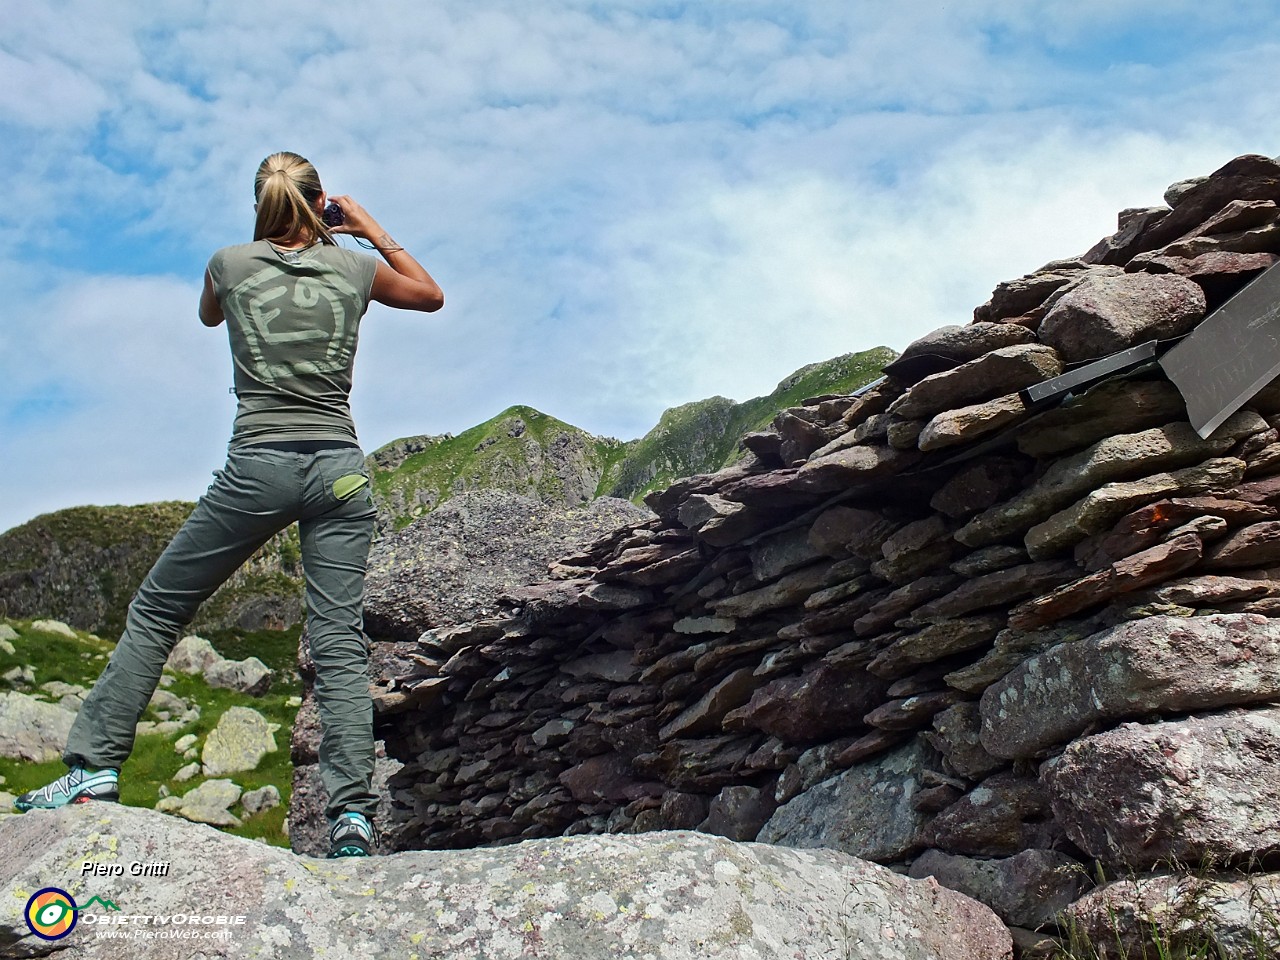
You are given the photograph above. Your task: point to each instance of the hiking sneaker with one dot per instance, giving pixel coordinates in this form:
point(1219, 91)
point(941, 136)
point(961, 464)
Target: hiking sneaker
point(77, 785)
point(352, 835)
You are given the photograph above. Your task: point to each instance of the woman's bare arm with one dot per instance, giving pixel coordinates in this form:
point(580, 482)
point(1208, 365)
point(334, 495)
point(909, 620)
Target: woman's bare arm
point(402, 281)
point(210, 308)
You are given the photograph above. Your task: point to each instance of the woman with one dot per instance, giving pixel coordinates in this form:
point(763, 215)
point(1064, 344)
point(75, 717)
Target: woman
point(292, 301)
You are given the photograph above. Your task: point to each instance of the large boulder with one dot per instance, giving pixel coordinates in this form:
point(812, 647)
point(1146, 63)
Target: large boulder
point(674, 895)
point(1205, 789)
point(1158, 664)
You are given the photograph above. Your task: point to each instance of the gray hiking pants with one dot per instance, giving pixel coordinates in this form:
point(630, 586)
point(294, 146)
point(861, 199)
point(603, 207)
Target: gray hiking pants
point(259, 493)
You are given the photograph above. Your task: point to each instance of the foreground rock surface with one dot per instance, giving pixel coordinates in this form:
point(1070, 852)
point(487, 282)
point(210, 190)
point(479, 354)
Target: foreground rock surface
point(670, 895)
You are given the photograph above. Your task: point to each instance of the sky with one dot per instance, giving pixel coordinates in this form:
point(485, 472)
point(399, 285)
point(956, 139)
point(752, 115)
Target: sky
point(630, 205)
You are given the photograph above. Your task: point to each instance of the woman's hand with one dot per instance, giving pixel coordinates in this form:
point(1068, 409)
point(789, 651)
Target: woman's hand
point(358, 222)
point(402, 282)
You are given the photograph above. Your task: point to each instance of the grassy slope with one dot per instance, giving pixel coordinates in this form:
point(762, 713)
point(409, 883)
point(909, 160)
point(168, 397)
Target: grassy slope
point(154, 761)
point(488, 455)
point(703, 437)
point(697, 437)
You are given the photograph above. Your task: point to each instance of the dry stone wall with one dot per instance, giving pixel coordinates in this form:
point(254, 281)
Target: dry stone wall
point(927, 625)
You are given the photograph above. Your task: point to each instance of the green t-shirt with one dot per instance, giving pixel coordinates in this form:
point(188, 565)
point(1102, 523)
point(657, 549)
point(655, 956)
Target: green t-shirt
point(293, 317)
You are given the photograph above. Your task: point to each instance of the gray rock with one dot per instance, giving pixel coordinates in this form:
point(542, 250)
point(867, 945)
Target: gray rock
point(1011, 648)
point(72, 700)
point(257, 801)
point(1176, 192)
point(32, 729)
point(738, 813)
point(1000, 817)
point(1000, 372)
point(970, 341)
point(1118, 406)
point(995, 589)
point(980, 485)
point(23, 676)
point(1191, 791)
point(823, 702)
point(782, 553)
point(184, 742)
point(867, 811)
point(965, 424)
point(189, 772)
point(208, 803)
point(7, 633)
point(1158, 664)
point(1013, 298)
point(685, 895)
point(1028, 890)
point(705, 714)
point(239, 742)
point(1106, 313)
point(934, 643)
point(790, 590)
point(165, 702)
point(249, 676)
point(192, 654)
point(54, 626)
point(956, 736)
point(696, 625)
point(851, 467)
point(840, 531)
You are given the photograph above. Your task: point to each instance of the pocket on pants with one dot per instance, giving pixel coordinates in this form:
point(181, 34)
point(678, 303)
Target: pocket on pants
point(346, 481)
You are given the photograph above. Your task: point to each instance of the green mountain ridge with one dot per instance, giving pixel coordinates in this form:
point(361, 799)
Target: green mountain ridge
point(525, 451)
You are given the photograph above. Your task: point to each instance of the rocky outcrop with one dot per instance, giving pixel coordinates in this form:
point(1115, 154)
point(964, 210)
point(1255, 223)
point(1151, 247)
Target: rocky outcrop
point(454, 564)
point(83, 565)
point(677, 895)
point(857, 592)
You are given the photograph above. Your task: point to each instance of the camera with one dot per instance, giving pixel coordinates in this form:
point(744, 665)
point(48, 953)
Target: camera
point(333, 215)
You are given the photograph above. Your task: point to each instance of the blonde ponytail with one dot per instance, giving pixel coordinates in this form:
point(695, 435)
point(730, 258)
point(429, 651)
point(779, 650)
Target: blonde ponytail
point(286, 187)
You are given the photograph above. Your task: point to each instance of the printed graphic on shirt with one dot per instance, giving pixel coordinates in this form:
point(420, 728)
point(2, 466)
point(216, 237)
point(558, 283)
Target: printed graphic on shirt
point(285, 334)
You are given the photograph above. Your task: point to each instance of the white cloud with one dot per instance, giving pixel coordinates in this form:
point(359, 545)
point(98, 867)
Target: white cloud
point(627, 208)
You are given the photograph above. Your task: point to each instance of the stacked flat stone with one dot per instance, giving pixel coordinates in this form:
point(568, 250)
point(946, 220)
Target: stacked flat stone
point(925, 625)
